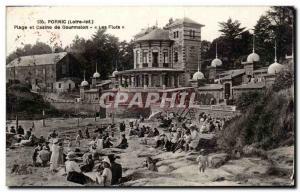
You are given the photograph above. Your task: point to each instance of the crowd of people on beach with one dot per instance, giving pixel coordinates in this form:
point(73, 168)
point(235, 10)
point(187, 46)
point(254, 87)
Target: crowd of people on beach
point(86, 167)
point(84, 163)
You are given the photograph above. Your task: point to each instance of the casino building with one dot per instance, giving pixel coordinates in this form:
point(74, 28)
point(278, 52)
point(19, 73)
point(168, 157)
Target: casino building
point(168, 60)
point(164, 57)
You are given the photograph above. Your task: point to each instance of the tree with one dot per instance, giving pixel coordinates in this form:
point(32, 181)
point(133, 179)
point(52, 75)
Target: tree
point(104, 49)
point(231, 29)
point(28, 49)
point(277, 24)
point(229, 42)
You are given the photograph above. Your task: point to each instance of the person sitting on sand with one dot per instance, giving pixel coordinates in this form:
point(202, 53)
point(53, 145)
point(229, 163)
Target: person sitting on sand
point(107, 141)
point(156, 132)
point(52, 135)
point(141, 131)
point(28, 134)
point(122, 126)
point(202, 161)
point(105, 179)
point(12, 129)
point(150, 133)
point(123, 144)
point(36, 151)
point(132, 131)
point(151, 164)
point(42, 140)
point(116, 169)
point(31, 141)
point(93, 144)
point(20, 130)
point(88, 162)
point(44, 156)
point(98, 130)
point(73, 170)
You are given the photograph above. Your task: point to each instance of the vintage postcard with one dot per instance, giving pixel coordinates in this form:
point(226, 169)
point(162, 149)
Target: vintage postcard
point(150, 96)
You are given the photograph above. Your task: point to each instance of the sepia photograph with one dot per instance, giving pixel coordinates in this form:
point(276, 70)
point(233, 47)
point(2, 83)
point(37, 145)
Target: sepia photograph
point(150, 96)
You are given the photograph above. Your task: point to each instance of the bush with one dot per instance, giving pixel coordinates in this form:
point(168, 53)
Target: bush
point(283, 80)
point(247, 99)
point(266, 121)
point(28, 105)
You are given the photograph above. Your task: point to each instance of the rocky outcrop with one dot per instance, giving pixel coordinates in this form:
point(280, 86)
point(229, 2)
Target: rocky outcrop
point(217, 160)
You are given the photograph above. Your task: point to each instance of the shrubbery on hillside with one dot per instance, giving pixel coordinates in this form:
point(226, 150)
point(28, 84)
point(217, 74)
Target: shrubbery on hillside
point(266, 120)
point(283, 80)
point(27, 104)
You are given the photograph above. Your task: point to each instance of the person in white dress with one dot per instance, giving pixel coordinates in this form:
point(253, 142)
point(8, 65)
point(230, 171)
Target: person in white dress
point(57, 155)
point(105, 178)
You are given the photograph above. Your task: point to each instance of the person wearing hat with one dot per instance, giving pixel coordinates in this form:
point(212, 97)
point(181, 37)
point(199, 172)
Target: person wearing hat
point(73, 170)
point(106, 177)
point(20, 130)
point(44, 156)
point(116, 169)
point(56, 155)
point(12, 129)
point(52, 135)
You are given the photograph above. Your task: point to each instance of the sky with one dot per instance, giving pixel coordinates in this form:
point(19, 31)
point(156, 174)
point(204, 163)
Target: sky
point(130, 19)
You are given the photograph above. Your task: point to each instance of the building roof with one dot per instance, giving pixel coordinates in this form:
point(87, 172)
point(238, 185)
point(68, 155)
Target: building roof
point(184, 20)
point(103, 82)
point(261, 70)
point(65, 79)
point(32, 60)
point(275, 68)
point(150, 69)
point(175, 89)
point(156, 34)
point(211, 87)
point(144, 31)
point(91, 91)
point(232, 73)
point(250, 86)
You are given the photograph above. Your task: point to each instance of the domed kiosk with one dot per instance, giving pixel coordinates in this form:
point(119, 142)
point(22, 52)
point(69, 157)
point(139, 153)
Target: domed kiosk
point(253, 57)
point(216, 62)
point(275, 67)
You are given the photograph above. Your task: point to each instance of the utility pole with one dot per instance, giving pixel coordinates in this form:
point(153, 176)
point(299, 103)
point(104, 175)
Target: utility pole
point(44, 118)
point(17, 119)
